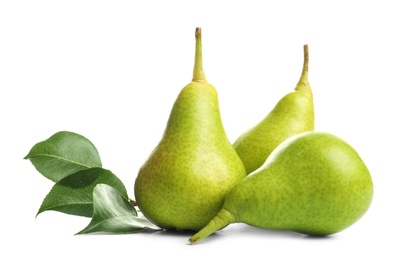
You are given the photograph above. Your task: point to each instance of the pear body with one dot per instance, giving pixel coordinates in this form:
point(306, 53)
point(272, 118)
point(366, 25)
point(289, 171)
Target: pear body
point(293, 114)
point(183, 183)
point(313, 183)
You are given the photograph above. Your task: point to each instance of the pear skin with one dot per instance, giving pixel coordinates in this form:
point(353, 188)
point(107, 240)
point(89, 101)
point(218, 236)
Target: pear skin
point(293, 114)
point(183, 183)
point(313, 183)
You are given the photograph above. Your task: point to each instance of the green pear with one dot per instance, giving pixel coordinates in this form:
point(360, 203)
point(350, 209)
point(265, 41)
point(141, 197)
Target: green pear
point(293, 114)
point(313, 183)
point(183, 183)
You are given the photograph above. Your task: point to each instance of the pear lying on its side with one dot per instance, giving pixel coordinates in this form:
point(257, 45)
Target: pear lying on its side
point(313, 183)
point(183, 183)
point(293, 114)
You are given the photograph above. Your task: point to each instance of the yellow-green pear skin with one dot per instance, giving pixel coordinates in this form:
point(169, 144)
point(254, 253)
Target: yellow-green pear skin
point(293, 114)
point(313, 183)
point(183, 183)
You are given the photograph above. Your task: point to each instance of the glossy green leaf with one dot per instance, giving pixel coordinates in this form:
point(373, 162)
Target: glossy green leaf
point(62, 154)
point(74, 193)
point(114, 213)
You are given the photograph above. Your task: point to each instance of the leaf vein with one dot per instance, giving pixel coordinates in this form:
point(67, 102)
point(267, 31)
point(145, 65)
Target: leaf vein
point(61, 158)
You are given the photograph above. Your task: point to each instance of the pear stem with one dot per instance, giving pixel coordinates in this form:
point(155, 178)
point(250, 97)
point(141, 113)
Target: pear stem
point(303, 83)
point(222, 219)
point(199, 75)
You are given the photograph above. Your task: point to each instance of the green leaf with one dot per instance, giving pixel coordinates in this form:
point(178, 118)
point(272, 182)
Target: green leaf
point(74, 193)
point(63, 154)
point(114, 213)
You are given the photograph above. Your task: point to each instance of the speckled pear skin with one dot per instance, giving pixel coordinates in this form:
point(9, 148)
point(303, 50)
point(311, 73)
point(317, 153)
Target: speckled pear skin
point(313, 183)
point(293, 114)
point(183, 183)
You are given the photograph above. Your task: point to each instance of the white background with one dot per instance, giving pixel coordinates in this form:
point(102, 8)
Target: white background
point(111, 70)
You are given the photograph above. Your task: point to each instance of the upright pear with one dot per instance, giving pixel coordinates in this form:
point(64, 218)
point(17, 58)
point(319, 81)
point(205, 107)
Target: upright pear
point(313, 183)
point(183, 183)
point(293, 114)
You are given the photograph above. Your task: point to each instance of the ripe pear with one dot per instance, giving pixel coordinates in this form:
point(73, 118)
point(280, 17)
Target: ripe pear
point(293, 114)
point(183, 183)
point(313, 183)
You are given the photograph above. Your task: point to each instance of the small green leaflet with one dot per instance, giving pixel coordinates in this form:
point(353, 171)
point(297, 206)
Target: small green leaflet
point(62, 154)
point(74, 193)
point(114, 213)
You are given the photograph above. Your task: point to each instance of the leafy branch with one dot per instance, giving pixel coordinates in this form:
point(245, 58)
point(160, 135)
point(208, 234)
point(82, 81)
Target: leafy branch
point(82, 187)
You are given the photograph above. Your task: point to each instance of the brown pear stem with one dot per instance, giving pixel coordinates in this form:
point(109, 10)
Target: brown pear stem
point(199, 75)
point(305, 63)
point(303, 83)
